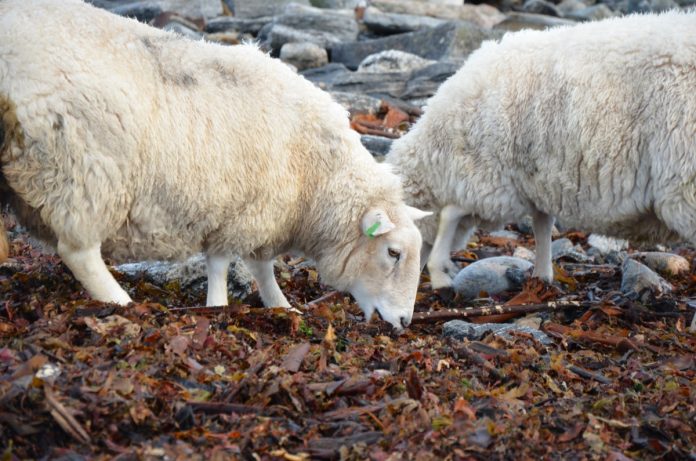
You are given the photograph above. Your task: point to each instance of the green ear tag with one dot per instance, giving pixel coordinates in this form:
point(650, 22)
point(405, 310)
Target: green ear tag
point(370, 231)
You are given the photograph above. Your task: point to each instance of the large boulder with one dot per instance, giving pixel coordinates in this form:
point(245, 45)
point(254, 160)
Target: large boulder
point(450, 42)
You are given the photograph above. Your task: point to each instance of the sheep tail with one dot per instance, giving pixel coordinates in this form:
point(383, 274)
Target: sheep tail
point(10, 131)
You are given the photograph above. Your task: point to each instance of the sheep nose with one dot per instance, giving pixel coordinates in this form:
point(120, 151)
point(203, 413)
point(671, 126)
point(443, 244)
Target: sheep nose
point(405, 322)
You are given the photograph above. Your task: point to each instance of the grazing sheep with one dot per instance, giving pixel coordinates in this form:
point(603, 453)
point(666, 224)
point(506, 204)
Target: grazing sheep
point(128, 141)
point(593, 124)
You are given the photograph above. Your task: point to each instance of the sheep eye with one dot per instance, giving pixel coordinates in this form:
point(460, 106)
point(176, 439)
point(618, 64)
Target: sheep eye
point(396, 254)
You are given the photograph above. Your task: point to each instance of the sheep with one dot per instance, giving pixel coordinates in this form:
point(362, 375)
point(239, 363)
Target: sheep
point(593, 124)
point(125, 141)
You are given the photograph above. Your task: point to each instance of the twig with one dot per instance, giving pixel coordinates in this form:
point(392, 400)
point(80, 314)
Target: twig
point(324, 298)
point(64, 419)
point(451, 314)
point(214, 408)
point(477, 359)
point(589, 374)
point(618, 342)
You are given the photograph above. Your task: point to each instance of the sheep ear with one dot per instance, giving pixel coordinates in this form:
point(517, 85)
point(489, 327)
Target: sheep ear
point(376, 222)
point(416, 214)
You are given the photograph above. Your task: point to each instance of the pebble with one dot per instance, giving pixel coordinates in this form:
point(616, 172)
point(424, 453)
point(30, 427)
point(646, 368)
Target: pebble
point(460, 329)
point(491, 275)
point(304, 55)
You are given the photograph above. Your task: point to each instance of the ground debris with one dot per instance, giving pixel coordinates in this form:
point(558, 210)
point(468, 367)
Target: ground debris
point(81, 379)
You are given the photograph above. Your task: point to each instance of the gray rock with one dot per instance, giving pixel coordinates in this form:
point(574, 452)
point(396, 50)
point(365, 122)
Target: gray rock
point(257, 9)
point(484, 16)
point(489, 275)
point(357, 103)
point(142, 11)
point(606, 245)
point(639, 280)
point(560, 247)
point(663, 263)
point(376, 145)
point(505, 234)
point(518, 21)
point(381, 23)
point(459, 329)
point(304, 55)
point(190, 274)
point(524, 253)
point(569, 6)
point(425, 82)
point(335, 4)
point(540, 7)
point(592, 13)
point(182, 30)
point(393, 61)
point(325, 76)
point(325, 28)
point(232, 24)
point(524, 225)
point(393, 84)
point(451, 42)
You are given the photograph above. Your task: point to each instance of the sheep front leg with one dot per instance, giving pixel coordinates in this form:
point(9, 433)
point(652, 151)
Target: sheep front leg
point(89, 269)
point(270, 292)
point(217, 280)
point(542, 224)
point(440, 266)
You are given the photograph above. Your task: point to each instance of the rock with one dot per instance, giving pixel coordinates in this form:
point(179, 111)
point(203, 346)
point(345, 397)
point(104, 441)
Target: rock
point(524, 253)
point(357, 103)
point(142, 11)
point(182, 30)
point(393, 84)
point(592, 13)
point(190, 274)
point(257, 9)
point(381, 23)
point(450, 42)
point(524, 225)
point(241, 25)
point(145, 11)
point(605, 244)
point(540, 7)
point(488, 275)
point(393, 61)
point(304, 55)
point(325, 76)
point(569, 6)
point(459, 329)
point(640, 281)
point(484, 16)
point(563, 248)
point(506, 234)
point(335, 4)
point(663, 263)
point(518, 21)
point(376, 145)
point(325, 28)
point(425, 82)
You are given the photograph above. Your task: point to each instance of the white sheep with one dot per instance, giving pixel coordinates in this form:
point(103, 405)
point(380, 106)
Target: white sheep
point(593, 124)
point(128, 141)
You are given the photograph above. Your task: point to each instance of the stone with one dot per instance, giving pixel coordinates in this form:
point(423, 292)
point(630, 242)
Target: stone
point(663, 263)
point(524, 225)
point(484, 16)
point(606, 245)
point(257, 9)
point(425, 82)
point(393, 61)
point(489, 275)
point(393, 84)
point(376, 145)
point(540, 7)
point(638, 280)
point(459, 329)
point(324, 76)
point(304, 55)
point(524, 253)
point(517, 21)
point(449, 42)
point(564, 248)
point(381, 23)
point(142, 11)
point(325, 28)
point(569, 6)
point(182, 30)
point(357, 103)
point(190, 274)
point(506, 234)
point(592, 13)
point(335, 4)
point(241, 25)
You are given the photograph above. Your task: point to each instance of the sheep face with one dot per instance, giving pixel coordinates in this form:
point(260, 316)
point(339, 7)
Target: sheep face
point(384, 265)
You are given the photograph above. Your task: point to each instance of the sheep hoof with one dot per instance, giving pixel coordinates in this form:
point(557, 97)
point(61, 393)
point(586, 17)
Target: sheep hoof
point(439, 280)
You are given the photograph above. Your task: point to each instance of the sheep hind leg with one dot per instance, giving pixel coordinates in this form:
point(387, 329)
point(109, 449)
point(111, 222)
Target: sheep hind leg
point(542, 224)
point(270, 292)
point(89, 269)
point(440, 266)
point(217, 280)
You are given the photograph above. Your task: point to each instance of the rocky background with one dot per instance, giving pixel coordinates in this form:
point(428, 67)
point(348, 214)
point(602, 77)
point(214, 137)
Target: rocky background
point(602, 365)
